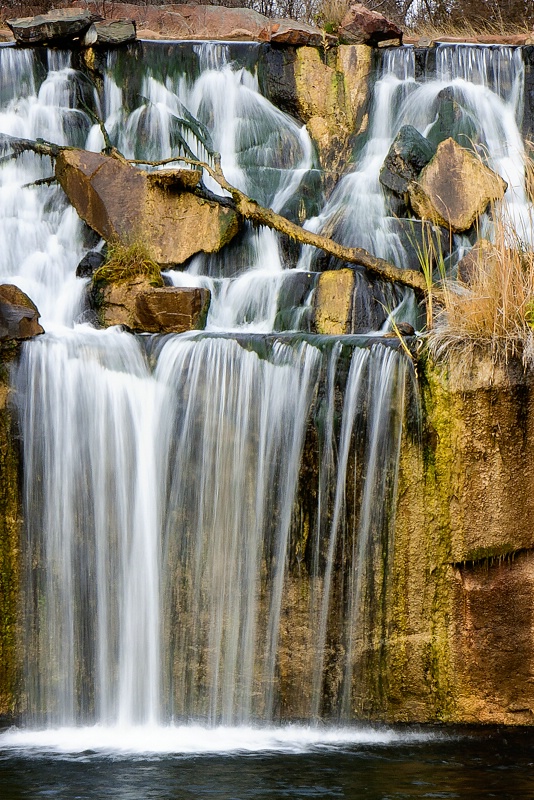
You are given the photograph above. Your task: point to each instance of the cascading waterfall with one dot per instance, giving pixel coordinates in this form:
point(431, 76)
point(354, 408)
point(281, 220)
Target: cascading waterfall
point(165, 478)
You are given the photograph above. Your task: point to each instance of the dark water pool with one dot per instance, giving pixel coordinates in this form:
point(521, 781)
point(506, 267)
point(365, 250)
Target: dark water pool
point(463, 763)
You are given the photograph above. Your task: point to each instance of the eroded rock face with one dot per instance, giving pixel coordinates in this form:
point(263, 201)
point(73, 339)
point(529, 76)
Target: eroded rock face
point(409, 153)
point(455, 188)
point(55, 26)
point(144, 308)
point(19, 316)
point(362, 26)
point(125, 204)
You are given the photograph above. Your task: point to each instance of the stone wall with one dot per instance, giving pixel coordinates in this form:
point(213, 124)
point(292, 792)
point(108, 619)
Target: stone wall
point(461, 635)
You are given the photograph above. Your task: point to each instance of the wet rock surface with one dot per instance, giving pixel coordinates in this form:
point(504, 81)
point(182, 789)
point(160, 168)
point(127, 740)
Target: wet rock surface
point(409, 153)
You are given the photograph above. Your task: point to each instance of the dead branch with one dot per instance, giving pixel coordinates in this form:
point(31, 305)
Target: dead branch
point(251, 210)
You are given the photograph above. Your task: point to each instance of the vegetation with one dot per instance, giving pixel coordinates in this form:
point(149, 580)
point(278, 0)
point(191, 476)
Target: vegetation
point(492, 306)
point(125, 262)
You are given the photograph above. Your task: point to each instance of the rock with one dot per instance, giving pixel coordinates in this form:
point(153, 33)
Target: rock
point(362, 26)
point(55, 26)
point(333, 302)
point(452, 120)
point(407, 156)
point(332, 101)
point(144, 308)
point(287, 31)
point(19, 317)
point(125, 204)
point(89, 264)
point(455, 188)
point(110, 33)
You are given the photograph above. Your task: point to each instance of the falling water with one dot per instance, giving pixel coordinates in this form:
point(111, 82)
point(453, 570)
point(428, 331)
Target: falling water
point(168, 479)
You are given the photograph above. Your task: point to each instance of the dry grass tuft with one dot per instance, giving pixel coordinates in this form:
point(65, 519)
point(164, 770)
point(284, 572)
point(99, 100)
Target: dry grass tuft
point(496, 308)
point(125, 262)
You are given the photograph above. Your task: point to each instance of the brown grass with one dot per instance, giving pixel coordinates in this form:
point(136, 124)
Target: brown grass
point(124, 262)
point(496, 308)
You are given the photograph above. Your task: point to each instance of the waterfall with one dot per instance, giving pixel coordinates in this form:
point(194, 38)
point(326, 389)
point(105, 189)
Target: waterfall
point(184, 562)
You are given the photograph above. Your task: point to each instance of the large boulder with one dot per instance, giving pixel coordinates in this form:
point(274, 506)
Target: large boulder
point(110, 33)
point(55, 26)
point(19, 317)
point(409, 153)
point(455, 188)
point(362, 26)
point(124, 204)
point(144, 308)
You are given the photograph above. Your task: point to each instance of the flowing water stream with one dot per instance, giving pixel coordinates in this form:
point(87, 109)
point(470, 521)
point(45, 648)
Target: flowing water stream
point(163, 476)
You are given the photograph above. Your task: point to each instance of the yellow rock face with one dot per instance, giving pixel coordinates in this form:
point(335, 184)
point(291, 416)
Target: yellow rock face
point(332, 100)
point(333, 302)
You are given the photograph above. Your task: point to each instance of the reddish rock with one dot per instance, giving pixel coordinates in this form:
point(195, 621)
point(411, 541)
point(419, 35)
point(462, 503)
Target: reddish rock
point(19, 317)
point(362, 26)
point(144, 308)
point(181, 21)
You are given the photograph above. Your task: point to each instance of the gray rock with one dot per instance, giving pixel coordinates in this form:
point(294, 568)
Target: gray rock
point(56, 25)
point(409, 153)
point(110, 33)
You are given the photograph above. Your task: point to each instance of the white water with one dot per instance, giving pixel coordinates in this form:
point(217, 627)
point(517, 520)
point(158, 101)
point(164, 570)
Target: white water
point(160, 475)
point(487, 84)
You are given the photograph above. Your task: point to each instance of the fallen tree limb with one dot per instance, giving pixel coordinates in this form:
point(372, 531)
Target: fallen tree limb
point(253, 211)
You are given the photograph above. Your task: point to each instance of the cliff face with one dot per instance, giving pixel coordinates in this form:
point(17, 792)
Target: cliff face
point(460, 643)
point(9, 548)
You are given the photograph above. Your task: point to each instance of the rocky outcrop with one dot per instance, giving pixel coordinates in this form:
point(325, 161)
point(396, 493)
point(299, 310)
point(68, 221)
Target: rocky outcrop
point(141, 307)
point(455, 188)
point(215, 22)
point(362, 26)
point(10, 567)
point(332, 100)
point(409, 153)
point(125, 204)
point(55, 26)
point(19, 316)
